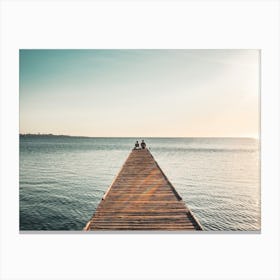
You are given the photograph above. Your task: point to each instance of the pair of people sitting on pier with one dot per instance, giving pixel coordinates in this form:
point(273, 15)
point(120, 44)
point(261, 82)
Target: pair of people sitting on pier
point(143, 145)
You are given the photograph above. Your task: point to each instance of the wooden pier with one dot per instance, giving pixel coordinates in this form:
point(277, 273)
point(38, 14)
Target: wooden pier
point(142, 198)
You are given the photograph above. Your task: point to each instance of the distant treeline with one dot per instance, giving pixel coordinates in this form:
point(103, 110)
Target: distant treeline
point(46, 135)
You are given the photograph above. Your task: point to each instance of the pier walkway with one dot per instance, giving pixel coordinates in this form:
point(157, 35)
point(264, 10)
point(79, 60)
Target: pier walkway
point(142, 198)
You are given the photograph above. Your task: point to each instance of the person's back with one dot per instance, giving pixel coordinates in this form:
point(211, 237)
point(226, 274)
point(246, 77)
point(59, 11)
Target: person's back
point(143, 144)
point(136, 145)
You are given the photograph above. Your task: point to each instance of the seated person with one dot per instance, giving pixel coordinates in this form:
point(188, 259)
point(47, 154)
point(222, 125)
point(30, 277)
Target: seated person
point(136, 147)
point(143, 144)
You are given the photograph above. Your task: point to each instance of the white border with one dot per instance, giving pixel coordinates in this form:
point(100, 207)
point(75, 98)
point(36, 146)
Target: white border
point(156, 24)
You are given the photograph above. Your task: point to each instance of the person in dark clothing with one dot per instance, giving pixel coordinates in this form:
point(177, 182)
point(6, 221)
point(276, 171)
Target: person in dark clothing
point(136, 146)
point(143, 145)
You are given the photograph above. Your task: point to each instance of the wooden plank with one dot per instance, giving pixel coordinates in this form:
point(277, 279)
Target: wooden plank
point(142, 198)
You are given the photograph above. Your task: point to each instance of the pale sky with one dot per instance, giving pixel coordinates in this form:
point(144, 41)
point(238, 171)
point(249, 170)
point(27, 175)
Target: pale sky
point(140, 93)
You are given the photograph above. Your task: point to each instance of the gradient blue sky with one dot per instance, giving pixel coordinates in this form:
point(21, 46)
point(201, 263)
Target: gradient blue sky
point(167, 93)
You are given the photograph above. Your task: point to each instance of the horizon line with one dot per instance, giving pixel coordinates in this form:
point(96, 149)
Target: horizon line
point(85, 136)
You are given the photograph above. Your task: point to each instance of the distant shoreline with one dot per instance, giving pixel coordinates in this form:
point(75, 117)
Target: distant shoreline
point(50, 135)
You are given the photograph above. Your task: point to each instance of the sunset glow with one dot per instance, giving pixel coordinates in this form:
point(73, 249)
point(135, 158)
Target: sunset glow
point(168, 93)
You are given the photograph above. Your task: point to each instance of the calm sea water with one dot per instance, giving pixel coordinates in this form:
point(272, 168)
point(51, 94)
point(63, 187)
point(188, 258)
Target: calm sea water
point(63, 179)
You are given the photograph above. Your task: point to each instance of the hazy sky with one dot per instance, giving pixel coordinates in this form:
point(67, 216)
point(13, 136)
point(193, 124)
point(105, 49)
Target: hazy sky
point(140, 92)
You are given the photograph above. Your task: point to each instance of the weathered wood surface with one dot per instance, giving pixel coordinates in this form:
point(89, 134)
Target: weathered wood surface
point(142, 198)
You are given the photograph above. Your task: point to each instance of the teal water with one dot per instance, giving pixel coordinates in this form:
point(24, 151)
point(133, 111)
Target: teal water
point(62, 179)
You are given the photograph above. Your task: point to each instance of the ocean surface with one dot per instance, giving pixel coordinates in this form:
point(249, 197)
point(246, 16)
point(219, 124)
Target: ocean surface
point(62, 179)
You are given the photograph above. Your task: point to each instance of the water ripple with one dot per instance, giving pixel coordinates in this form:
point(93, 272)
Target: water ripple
point(63, 180)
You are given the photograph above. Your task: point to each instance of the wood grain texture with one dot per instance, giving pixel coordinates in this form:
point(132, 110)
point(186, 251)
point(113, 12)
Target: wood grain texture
point(142, 198)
